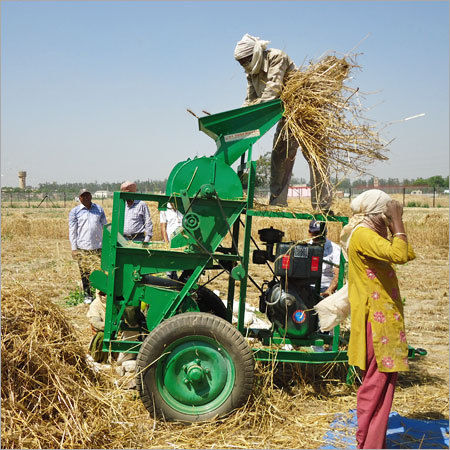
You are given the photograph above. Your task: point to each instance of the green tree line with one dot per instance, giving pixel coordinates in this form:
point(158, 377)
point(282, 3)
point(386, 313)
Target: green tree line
point(262, 181)
point(143, 186)
point(436, 181)
point(263, 177)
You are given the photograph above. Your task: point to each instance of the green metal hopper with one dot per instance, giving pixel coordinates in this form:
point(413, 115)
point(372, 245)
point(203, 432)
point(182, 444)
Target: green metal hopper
point(236, 130)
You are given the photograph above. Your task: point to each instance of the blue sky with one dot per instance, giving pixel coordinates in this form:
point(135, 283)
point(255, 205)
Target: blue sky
point(98, 91)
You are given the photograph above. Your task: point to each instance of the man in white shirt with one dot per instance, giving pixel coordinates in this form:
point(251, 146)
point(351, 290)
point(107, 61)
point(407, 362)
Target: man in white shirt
point(331, 254)
point(170, 221)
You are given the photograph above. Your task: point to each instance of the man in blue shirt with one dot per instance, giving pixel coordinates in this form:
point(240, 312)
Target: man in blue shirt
point(86, 223)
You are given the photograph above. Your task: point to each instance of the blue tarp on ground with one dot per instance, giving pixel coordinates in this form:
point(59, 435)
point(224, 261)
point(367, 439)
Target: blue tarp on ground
point(402, 432)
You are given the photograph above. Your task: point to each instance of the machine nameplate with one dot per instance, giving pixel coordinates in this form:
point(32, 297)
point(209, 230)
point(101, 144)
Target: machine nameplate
point(242, 135)
point(300, 251)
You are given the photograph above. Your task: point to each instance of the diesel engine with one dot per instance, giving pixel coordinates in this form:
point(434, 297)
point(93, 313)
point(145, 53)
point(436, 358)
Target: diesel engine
point(289, 298)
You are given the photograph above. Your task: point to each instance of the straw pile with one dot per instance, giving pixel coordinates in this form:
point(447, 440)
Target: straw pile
point(51, 398)
point(326, 118)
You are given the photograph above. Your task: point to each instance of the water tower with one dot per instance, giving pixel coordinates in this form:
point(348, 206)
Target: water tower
point(22, 179)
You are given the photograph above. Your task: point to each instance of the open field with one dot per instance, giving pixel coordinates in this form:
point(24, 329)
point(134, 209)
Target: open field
point(291, 407)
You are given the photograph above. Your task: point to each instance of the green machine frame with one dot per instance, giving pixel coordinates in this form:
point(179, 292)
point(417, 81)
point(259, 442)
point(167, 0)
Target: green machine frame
point(209, 194)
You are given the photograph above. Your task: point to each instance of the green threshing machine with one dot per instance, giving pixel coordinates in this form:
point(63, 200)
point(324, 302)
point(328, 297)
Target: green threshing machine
point(193, 363)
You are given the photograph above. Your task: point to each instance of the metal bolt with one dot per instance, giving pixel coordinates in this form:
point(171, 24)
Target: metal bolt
point(186, 381)
point(197, 361)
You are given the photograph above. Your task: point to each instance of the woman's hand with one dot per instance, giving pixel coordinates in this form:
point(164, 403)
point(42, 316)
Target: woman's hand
point(394, 210)
point(394, 213)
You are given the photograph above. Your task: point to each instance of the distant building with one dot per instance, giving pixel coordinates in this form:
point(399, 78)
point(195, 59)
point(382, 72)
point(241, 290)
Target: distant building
point(22, 179)
point(101, 194)
point(299, 191)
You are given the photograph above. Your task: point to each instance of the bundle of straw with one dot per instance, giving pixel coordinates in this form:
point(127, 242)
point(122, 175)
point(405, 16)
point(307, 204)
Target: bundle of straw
point(51, 398)
point(327, 119)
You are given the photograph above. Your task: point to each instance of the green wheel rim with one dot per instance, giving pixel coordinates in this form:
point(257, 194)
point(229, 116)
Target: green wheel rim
point(195, 375)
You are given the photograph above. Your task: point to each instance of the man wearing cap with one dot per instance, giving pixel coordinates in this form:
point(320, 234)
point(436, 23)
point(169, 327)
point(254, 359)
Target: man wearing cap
point(267, 71)
point(331, 257)
point(138, 225)
point(86, 223)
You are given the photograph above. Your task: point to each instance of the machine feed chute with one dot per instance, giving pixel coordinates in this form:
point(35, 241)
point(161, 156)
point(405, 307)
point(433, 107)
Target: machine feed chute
point(236, 130)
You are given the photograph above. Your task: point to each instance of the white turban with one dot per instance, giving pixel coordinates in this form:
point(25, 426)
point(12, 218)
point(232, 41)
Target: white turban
point(369, 203)
point(251, 45)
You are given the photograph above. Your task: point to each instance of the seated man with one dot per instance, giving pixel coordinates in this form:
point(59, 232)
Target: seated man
point(331, 254)
point(96, 316)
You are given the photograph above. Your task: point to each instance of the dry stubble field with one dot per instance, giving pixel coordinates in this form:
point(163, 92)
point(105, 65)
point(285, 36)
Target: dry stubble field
point(291, 406)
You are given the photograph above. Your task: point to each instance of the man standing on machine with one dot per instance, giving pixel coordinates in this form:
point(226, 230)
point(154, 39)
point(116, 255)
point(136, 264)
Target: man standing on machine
point(267, 71)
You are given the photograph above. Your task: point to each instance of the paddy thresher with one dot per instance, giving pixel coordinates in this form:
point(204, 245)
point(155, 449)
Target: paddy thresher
point(193, 363)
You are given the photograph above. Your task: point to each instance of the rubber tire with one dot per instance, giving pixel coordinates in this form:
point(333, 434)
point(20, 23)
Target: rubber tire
point(185, 325)
point(207, 301)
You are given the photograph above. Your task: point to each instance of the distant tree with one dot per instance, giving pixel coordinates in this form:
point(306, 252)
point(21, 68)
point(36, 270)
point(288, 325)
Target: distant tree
point(393, 182)
point(419, 182)
point(14, 189)
point(151, 185)
point(297, 180)
point(359, 182)
point(263, 170)
point(437, 181)
point(344, 184)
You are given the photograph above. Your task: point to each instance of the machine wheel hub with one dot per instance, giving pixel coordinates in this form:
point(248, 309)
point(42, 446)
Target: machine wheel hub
point(196, 373)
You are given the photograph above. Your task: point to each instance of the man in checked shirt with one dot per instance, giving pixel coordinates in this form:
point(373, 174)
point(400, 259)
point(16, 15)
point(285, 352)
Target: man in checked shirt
point(138, 224)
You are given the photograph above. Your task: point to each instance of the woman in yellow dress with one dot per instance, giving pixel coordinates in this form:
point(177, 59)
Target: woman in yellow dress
point(377, 336)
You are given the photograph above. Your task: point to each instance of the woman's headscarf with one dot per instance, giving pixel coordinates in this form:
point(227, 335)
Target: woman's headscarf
point(368, 210)
point(251, 45)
